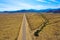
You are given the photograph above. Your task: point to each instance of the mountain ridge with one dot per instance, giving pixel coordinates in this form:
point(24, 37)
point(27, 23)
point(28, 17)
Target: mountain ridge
point(33, 10)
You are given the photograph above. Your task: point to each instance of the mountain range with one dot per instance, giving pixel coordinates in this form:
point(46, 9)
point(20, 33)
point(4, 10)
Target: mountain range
point(33, 10)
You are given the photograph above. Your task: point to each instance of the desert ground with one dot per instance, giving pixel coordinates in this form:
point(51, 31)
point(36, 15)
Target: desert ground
point(30, 26)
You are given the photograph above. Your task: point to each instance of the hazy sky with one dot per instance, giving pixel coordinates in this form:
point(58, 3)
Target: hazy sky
point(28, 4)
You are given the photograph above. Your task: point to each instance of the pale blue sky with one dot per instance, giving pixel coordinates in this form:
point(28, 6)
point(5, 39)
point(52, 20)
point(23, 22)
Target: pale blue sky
point(9, 5)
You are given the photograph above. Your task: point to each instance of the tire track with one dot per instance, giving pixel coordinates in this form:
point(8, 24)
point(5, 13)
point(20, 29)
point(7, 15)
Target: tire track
point(22, 33)
point(36, 33)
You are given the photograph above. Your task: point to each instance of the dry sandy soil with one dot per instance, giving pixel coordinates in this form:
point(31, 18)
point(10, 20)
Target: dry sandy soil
point(9, 26)
point(42, 26)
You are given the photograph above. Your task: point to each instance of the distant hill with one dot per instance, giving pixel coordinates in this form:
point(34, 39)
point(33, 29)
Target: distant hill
point(33, 10)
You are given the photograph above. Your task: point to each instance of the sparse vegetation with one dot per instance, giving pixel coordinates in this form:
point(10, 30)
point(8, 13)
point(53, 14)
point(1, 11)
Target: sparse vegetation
point(43, 26)
point(50, 23)
point(34, 20)
point(9, 26)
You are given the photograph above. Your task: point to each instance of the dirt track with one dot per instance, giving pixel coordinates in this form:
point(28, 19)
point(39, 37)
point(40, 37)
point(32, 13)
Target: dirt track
point(24, 33)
